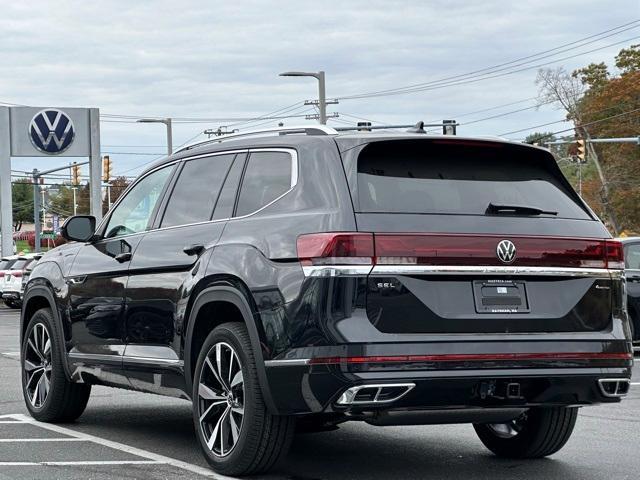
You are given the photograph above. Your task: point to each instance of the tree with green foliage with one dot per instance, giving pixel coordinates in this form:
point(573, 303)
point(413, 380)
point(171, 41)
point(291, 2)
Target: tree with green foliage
point(22, 199)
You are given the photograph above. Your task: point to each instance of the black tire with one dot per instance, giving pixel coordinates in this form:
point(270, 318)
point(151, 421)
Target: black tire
point(8, 303)
point(65, 401)
point(540, 432)
point(263, 438)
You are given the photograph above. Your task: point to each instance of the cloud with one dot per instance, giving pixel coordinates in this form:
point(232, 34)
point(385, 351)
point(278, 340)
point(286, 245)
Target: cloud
point(221, 59)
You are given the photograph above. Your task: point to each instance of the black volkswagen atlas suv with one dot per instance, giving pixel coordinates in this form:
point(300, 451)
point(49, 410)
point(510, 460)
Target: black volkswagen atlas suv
point(306, 276)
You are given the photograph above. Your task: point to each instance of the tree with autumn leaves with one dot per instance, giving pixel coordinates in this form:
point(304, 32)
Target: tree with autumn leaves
point(604, 104)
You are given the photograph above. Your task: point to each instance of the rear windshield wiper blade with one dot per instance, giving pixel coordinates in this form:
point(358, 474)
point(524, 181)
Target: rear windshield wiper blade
point(497, 208)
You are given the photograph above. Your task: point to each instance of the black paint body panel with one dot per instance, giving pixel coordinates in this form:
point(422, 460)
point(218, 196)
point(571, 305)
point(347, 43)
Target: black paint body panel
point(131, 324)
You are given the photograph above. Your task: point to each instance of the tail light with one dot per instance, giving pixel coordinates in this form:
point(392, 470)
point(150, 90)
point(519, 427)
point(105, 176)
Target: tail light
point(16, 274)
point(346, 248)
point(481, 250)
point(336, 249)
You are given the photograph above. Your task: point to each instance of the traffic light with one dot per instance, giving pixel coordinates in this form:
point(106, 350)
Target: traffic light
point(581, 151)
point(75, 174)
point(106, 169)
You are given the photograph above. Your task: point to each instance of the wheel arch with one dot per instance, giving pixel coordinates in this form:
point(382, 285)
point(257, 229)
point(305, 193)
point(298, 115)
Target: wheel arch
point(36, 298)
point(229, 295)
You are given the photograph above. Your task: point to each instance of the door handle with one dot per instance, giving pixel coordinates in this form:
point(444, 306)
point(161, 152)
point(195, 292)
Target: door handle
point(194, 249)
point(123, 257)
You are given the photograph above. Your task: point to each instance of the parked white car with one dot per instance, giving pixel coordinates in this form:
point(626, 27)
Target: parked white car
point(12, 279)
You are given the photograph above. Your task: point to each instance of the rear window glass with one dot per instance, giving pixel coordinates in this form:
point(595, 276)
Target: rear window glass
point(19, 264)
point(450, 178)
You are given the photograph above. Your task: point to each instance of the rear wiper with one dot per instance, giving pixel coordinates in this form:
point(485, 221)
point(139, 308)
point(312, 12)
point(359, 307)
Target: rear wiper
point(497, 208)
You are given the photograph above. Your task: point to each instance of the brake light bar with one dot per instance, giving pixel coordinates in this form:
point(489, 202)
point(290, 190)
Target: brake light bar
point(472, 357)
point(357, 248)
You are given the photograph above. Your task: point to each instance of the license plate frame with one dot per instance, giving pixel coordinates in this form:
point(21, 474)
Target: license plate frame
point(501, 296)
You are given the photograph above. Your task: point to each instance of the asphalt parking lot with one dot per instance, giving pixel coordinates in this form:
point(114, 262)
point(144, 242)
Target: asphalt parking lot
point(130, 435)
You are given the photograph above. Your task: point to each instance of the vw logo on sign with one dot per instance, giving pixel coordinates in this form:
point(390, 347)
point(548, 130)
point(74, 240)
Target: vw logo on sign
point(506, 251)
point(51, 131)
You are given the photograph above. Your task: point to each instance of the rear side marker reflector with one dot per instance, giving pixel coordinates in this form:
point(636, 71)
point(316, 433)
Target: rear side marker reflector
point(473, 357)
point(363, 249)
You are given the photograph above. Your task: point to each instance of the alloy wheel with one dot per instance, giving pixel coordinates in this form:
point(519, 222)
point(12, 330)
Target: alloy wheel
point(37, 365)
point(221, 397)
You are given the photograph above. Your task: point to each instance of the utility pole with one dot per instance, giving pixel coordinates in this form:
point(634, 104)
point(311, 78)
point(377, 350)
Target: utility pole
point(167, 122)
point(36, 175)
point(322, 94)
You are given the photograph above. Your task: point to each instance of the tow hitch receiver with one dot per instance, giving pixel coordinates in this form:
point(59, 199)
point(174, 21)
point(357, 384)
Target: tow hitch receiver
point(499, 390)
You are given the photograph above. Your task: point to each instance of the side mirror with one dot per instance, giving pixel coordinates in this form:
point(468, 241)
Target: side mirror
point(79, 228)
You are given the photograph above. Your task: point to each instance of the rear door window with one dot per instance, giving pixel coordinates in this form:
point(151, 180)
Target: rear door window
point(268, 175)
point(196, 191)
point(448, 178)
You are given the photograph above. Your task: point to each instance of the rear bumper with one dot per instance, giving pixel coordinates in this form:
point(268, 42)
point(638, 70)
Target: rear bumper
point(11, 296)
point(302, 387)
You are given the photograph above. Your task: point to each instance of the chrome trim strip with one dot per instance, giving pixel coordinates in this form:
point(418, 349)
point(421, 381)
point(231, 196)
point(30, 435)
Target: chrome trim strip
point(491, 270)
point(152, 361)
point(97, 357)
point(336, 270)
point(295, 362)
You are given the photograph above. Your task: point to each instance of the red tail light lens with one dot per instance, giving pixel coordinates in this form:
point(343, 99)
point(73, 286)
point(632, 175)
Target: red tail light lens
point(336, 248)
point(17, 274)
point(346, 248)
point(615, 254)
point(433, 249)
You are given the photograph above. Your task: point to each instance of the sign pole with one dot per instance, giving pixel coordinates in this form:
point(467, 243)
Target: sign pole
point(95, 165)
point(6, 213)
point(36, 210)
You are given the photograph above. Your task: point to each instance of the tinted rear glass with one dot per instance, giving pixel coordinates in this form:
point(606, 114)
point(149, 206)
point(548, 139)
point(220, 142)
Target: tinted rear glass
point(450, 178)
point(19, 264)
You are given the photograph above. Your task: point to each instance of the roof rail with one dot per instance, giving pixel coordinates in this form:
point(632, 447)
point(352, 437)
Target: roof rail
point(305, 129)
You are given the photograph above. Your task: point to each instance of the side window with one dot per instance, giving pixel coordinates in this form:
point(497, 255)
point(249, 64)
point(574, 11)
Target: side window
point(632, 257)
point(267, 176)
point(196, 191)
point(227, 198)
point(133, 213)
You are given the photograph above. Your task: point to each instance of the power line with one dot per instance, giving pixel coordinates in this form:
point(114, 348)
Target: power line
point(446, 81)
point(576, 126)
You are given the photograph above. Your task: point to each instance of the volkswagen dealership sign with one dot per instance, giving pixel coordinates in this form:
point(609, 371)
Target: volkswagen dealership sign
point(51, 131)
point(45, 132)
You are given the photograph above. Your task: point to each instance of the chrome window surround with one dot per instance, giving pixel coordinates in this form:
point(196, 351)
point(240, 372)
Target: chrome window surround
point(293, 183)
point(386, 270)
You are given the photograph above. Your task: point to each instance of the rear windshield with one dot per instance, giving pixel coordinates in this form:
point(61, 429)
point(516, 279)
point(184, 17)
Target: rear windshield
point(19, 264)
point(6, 264)
point(458, 178)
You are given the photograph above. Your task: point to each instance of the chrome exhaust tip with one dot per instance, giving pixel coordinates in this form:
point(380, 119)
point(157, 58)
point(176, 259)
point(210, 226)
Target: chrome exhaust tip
point(374, 394)
point(614, 387)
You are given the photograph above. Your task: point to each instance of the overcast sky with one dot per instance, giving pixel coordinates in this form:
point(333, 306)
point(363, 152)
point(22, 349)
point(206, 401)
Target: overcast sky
point(221, 60)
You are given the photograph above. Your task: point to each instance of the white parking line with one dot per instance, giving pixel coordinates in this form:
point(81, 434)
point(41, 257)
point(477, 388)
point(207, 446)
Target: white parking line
point(152, 457)
point(66, 439)
point(97, 462)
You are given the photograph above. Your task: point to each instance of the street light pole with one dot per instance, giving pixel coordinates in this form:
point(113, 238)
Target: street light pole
point(322, 95)
point(167, 122)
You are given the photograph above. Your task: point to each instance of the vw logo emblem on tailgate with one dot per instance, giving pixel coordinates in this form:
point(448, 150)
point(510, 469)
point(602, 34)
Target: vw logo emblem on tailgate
point(51, 131)
point(506, 251)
